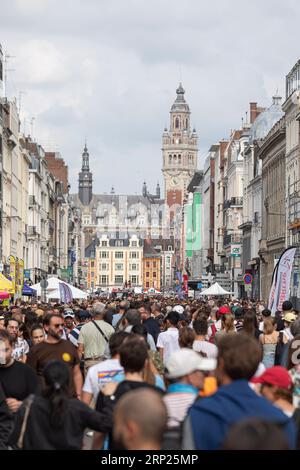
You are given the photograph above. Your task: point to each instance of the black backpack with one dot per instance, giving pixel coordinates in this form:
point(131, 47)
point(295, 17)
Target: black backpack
point(281, 351)
point(172, 438)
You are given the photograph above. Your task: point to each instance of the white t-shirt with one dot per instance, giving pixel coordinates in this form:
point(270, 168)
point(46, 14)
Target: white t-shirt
point(102, 373)
point(218, 325)
point(207, 348)
point(168, 340)
point(20, 349)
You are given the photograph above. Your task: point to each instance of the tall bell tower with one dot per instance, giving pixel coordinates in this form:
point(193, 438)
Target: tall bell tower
point(180, 151)
point(85, 179)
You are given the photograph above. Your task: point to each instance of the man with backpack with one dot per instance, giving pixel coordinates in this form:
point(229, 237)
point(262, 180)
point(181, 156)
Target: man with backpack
point(210, 419)
point(94, 336)
point(118, 317)
point(185, 373)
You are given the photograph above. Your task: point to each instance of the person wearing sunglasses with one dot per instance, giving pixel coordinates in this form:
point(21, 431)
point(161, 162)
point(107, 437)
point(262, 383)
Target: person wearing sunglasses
point(54, 348)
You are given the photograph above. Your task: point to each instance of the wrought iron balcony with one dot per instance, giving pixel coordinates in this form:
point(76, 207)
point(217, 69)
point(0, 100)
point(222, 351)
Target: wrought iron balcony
point(32, 232)
point(231, 239)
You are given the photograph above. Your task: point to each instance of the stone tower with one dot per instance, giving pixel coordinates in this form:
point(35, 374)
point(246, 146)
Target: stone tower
point(85, 180)
point(180, 151)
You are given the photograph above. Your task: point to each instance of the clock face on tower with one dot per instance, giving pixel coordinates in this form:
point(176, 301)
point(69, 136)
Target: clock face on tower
point(174, 182)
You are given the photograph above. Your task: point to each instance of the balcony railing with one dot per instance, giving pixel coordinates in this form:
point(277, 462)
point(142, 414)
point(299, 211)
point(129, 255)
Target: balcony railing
point(32, 232)
point(32, 201)
point(53, 251)
point(231, 239)
point(233, 202)
point(237, 201)
point(51, 225)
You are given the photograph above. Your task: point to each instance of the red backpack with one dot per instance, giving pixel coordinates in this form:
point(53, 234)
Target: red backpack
point(213, 333)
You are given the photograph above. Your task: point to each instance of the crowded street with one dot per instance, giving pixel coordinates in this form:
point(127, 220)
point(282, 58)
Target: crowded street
point(79, 375)
point(149, 232)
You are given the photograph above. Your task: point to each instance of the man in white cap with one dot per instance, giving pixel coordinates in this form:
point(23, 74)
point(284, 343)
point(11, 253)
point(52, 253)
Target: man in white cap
point(185, 370)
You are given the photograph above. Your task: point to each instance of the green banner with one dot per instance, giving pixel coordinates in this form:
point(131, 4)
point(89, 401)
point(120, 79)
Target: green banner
point(197, 202)
point(64, 273)
point(189, 231)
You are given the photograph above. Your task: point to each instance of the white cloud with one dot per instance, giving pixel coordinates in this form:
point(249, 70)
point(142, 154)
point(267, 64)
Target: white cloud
point(108, 70)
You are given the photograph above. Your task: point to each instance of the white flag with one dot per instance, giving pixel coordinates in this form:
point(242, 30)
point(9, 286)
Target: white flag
point(282, 280)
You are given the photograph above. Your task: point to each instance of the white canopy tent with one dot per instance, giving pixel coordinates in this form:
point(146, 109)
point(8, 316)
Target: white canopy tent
point(215, 290)
point(52, 291)
point(152, 291)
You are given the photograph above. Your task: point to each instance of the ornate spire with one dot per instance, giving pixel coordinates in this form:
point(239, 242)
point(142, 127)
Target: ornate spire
point(85, 159)
point(180, 104)
point(145, 191)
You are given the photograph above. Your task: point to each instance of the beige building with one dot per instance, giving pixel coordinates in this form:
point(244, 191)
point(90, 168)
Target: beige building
point(15, 186)
point(118, 263)
point(291, 107)
point(272, 154)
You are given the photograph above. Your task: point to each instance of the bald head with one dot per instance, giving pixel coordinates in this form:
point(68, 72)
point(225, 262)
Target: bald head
point(140, 419)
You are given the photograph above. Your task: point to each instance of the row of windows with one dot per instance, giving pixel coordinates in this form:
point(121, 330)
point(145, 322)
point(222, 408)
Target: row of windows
point(148, 274)
point(119, 243)
point(176, 159)
point(120, 255)
point(178, 123)
point(119, 267)
point(118, 280)
point(151, 264)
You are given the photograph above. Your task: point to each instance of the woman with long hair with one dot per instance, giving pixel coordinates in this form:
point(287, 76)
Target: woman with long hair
point(269, 340)
point(53, 420)
point(250, 324)
point(227, 321)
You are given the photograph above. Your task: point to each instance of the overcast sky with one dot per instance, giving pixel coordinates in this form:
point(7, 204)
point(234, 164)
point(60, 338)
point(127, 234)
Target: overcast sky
point(107, 70)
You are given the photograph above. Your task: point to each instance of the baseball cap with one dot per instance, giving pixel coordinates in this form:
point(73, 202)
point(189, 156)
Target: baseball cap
point(224, 310)
point(69, 313)
point(185, 361)
point(179, 309)
point(276, 375)
point(290, 317)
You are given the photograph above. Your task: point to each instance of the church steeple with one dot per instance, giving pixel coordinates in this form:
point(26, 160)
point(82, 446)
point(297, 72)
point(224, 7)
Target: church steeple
point(179, 150)
point(85, 159)
point(85, 179)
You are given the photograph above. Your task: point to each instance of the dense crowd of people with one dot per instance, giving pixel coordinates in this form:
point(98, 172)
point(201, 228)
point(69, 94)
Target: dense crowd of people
point(149, 373)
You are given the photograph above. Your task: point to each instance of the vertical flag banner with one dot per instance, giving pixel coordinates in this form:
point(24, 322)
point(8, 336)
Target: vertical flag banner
point(185, 283)
point(281, 289)
point(62, 293)
point(12, 271)
point(273, 290)
point(20, 282)
point(69, 295)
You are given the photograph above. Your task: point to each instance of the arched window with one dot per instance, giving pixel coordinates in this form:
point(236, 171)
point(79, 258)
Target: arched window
point(186, 123)
point(177, 123)
point(170, 159)
point(175, 159)
point(179, 159)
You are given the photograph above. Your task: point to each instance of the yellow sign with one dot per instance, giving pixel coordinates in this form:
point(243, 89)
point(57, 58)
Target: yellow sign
point(12, 271)
point(20, 276)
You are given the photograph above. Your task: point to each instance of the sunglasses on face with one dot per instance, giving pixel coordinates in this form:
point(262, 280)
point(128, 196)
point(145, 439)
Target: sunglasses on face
point(59, 325)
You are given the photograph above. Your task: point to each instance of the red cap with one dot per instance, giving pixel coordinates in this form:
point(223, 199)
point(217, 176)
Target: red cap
point(224, 310)
point(276, 375)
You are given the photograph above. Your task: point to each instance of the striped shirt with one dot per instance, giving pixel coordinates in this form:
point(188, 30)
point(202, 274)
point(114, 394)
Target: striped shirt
point(178, 405)
point(74, 334)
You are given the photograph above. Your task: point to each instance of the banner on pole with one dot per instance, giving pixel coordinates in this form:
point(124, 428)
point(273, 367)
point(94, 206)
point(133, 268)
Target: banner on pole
point(280, 289)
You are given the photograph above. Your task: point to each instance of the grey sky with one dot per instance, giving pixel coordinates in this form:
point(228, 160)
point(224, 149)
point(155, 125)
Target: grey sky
point(108, 70)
